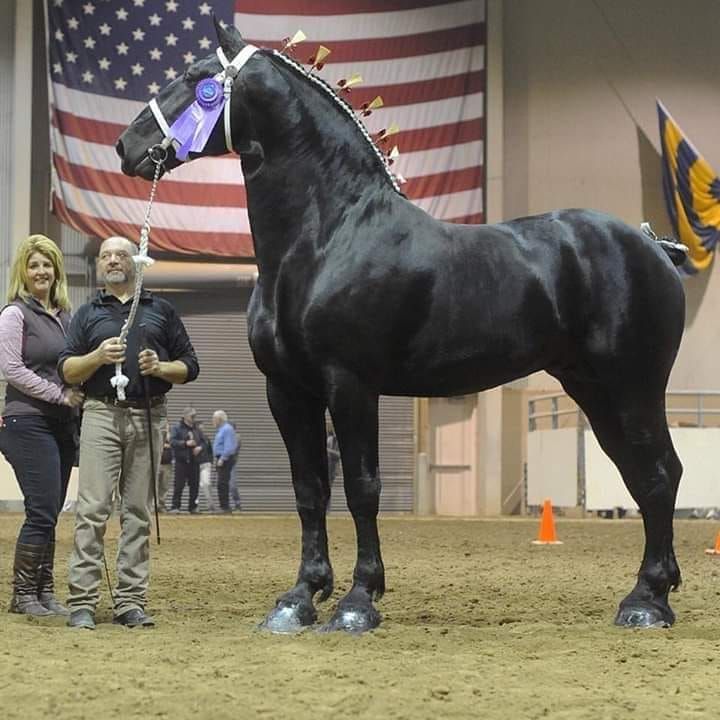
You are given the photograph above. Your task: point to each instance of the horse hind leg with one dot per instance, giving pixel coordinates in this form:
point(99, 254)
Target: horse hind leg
point(631, 427)
point(301, 420)
point(355, 418)
point(653, 480)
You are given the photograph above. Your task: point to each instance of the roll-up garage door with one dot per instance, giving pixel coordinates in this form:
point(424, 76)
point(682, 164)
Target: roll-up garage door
point(229, 380)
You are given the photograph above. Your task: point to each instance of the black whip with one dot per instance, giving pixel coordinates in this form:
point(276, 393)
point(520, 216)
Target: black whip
point(148, 417)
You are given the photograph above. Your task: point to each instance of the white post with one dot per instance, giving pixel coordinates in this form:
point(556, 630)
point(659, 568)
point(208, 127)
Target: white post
point(425, 498)
point(489, 453)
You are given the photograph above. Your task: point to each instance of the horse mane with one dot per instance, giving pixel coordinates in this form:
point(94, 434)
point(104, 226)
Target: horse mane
point(346, 108)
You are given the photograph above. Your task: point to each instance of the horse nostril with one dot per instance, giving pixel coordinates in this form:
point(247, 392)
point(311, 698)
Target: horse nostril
point(119, 149)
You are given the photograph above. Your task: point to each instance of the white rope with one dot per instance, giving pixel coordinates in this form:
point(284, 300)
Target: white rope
point(120, 381)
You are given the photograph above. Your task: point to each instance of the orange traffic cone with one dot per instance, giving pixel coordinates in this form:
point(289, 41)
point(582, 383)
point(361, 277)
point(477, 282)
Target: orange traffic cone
point(547, 534)
point(716, 549)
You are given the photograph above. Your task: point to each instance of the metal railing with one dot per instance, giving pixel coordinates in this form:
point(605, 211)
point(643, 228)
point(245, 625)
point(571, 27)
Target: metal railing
point(701, 410)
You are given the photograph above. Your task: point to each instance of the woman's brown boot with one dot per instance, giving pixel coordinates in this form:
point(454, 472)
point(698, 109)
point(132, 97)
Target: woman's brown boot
point(25, 581)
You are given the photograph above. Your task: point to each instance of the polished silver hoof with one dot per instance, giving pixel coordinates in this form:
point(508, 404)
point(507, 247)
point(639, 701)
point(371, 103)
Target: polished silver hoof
point(644, 615)
point(353, 620)
point(288, 619)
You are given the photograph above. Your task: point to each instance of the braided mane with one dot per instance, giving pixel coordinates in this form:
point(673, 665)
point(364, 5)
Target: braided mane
point(346, 108)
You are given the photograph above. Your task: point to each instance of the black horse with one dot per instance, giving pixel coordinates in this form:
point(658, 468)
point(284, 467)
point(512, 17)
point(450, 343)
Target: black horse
point(360, 293)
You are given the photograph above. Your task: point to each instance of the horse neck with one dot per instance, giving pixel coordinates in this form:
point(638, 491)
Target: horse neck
point(316, 164)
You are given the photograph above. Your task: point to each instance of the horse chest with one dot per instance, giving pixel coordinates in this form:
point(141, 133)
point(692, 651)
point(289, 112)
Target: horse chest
point(275, 342)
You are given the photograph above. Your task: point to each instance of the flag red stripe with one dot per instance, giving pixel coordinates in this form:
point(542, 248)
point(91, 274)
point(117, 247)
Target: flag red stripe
point(95, 131)
point(434, 136)
point(439, 136)
point(174, 241)
point(168, 191)
point(373, 49)
point(419, 92)
point(331, 7)
point(476, 219)
point(444, 183)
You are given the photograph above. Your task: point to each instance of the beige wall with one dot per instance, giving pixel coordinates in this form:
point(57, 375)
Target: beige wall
point(581, 130)
point(572, 84)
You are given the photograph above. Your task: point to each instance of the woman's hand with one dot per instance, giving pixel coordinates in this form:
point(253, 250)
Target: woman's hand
point(73, 397)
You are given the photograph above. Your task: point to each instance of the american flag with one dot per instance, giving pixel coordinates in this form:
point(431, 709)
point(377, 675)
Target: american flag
point(106, 59)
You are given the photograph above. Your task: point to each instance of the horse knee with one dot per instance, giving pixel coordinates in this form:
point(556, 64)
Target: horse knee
point(363, 495)
point(312, 499)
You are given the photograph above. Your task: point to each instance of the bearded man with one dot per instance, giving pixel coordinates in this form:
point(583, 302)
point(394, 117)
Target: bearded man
point(114, 439)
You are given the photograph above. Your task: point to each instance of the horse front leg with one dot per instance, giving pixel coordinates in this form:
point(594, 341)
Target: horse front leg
point(301, 420)
point(355, 417)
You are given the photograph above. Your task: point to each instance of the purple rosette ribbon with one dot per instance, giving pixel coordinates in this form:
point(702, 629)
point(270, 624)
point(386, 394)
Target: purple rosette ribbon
point(192, 129)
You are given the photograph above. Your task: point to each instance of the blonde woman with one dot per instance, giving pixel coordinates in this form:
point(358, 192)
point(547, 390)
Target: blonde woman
point(36, 431)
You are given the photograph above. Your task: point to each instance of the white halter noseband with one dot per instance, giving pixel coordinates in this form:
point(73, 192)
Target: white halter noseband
point(227, 78)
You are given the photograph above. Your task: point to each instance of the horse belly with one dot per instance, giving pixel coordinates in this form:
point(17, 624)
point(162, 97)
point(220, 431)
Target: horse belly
point(461, 376)
point(484, 344)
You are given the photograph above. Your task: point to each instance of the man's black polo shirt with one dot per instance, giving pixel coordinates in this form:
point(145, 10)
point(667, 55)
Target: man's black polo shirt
point(103, 318)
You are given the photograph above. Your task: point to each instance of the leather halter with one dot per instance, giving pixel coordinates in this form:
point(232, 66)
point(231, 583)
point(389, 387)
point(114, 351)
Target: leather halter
point(227, 78)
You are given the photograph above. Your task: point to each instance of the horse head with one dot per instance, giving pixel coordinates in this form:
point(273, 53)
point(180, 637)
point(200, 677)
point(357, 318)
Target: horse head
point(273, 113)
point(194, 104)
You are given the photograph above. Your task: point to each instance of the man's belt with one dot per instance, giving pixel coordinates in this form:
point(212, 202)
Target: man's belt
point(137, 404)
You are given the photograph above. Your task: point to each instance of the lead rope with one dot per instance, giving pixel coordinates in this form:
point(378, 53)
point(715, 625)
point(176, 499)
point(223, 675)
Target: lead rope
point(158, 154)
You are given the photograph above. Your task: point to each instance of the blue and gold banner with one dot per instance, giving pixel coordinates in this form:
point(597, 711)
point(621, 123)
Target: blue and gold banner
point(692, 194)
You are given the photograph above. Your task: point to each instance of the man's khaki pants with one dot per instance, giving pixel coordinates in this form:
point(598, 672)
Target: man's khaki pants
point(114, 452)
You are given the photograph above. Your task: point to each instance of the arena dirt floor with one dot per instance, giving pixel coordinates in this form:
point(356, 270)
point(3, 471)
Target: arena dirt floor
point(478, 623)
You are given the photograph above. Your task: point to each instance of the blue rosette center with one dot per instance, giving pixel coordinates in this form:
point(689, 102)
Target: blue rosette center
point(209, 93)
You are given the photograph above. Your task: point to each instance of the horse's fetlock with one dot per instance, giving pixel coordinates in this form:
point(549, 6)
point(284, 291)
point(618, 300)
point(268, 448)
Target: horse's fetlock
point(659, 579)
point(371, 576)
point(317, 575)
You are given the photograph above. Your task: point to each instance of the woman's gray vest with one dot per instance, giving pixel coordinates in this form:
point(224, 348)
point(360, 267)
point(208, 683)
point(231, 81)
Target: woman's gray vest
point(42, 340)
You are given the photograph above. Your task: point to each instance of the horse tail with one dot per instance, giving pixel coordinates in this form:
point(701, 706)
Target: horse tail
point(677, 252)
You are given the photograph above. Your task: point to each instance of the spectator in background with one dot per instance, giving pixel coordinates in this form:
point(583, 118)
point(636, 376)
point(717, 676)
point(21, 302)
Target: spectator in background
point(235, 503)
point(224, 449)
point(204, 460)
point(186, 448)
point(164, 472)
point(37, 430)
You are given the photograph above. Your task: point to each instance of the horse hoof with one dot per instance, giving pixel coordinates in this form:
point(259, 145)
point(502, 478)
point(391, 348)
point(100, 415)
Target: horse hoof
point(352, 620)
point(644, 615)
point(288, 619)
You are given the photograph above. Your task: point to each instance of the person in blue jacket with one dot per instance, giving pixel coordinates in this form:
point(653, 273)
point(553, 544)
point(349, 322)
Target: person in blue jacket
point(224, 449)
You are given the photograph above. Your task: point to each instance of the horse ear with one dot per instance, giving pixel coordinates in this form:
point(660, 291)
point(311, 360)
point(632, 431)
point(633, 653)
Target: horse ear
point(229, 38)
